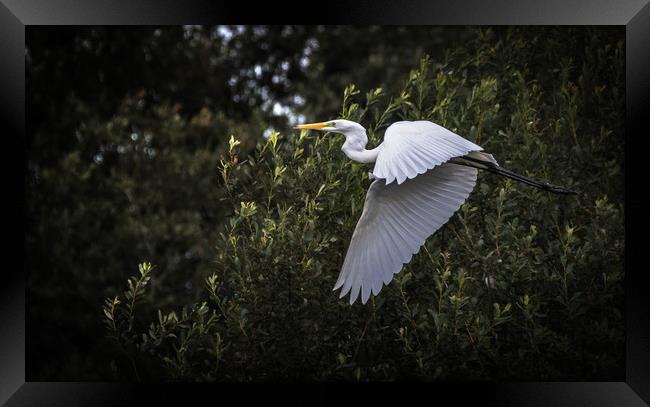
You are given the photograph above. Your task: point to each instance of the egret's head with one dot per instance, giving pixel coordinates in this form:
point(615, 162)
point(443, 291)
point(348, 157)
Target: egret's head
point(342, 126)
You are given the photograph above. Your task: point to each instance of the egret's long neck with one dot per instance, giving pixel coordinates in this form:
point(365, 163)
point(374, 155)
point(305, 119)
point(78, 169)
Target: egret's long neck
point(355, 148)
point(363, 155)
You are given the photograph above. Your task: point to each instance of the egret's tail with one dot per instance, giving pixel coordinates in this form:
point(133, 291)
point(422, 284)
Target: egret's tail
point(488, 163)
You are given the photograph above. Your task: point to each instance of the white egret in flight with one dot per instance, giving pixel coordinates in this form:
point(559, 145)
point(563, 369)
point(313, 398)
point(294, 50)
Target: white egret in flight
point(423, 173)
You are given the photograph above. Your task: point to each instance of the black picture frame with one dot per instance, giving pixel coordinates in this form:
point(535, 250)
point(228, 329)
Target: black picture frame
point(15, 15)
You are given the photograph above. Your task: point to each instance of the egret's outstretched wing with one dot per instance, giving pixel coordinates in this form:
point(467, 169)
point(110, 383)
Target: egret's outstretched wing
point(396, 220)
point(412, 148)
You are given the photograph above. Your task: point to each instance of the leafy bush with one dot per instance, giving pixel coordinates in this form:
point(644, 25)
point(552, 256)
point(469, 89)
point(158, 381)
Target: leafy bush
point(520, 284)
point(125, 128)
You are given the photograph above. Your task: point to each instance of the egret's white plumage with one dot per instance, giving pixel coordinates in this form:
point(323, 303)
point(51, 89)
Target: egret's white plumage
point(396, 221)
point(423, 174)
point(413, 148)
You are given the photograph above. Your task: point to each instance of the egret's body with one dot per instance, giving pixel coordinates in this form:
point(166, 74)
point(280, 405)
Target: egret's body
point(423, 173)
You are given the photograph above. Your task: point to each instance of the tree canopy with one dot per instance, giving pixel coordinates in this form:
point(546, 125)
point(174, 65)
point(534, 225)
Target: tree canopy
point(173, 146)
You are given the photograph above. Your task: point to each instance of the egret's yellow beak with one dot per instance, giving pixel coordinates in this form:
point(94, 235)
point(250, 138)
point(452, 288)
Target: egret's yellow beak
point(312, 126)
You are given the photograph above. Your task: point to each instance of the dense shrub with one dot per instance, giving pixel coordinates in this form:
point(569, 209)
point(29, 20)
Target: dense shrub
point(520, 284)
point(125, 126)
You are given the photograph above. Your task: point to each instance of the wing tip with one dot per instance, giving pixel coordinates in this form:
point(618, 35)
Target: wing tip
point(338, 284)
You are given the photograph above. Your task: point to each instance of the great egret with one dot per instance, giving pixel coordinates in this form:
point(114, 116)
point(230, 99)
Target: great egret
point(423, 173)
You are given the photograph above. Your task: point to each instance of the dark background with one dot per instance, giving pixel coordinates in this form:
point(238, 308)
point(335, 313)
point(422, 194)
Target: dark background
point(85, 234)
point(96, 208)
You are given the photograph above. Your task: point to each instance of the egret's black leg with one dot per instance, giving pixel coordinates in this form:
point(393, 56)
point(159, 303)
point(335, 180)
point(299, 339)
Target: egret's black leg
point(495, 169)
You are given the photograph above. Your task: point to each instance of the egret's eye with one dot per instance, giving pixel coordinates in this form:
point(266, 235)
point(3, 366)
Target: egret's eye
point(331, 124)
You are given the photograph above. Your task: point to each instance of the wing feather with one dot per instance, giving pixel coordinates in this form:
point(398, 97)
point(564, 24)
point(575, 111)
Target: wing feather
point(412, 148)
point(383, 267)
point(396, 221)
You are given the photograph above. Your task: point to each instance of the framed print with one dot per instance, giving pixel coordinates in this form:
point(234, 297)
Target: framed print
point(448, 197)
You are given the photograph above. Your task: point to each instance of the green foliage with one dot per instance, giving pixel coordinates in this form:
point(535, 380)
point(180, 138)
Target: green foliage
point(520, 284)
point(125, 129)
